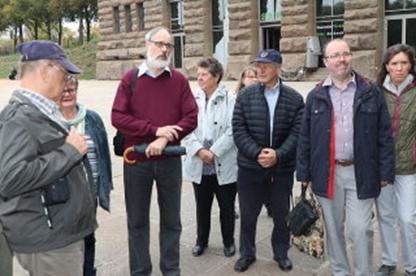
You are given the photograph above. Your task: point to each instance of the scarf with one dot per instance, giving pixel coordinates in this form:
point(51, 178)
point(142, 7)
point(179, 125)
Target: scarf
point(79, 121)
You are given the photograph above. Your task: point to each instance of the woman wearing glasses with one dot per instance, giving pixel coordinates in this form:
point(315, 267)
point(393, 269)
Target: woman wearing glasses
point(211, 160)
point(397, 202)
point(89, 123)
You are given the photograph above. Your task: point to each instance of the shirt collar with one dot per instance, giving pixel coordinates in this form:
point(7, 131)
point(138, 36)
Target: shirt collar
point(40, 101)
point(274, 88)
point(328, 80)
point(144, 69)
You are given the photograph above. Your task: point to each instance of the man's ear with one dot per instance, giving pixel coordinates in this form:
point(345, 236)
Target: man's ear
point(44, 72)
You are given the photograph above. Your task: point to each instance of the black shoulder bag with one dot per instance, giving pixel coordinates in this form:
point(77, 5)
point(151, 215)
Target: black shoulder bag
point(118, 139)
point(302, 216)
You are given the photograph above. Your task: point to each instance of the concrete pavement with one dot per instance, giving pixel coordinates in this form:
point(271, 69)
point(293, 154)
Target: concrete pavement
point(112, 250)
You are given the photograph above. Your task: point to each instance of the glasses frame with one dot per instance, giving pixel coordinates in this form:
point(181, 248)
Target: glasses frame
point(67, 75)
point(338, 55)
point(161, 44)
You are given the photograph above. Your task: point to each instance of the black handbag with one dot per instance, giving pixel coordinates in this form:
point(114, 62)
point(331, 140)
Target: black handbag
point(302, 216)
point(118, 143)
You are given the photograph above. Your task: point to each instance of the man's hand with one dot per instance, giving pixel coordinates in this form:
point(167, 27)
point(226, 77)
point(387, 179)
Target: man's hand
point(77, 141)
point(206, 156)
point(156, 147)
point(169, 132)
point(267, 158)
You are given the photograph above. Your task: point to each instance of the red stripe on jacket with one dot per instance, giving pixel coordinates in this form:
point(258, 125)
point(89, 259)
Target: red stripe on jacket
point(331, 179)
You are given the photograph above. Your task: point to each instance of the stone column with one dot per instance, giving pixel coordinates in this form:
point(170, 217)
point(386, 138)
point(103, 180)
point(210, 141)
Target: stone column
point(364, 32)
point(198, 34)
point(244, 35)
point(298, 22)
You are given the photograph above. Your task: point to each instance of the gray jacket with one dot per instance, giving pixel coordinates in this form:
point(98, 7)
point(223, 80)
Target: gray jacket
point(224, 148)
point(34, 155)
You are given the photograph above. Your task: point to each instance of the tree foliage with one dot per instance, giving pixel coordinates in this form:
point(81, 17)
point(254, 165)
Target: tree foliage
point(43, 19)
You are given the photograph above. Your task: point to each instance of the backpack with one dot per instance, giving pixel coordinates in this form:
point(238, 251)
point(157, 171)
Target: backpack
point(118, 139)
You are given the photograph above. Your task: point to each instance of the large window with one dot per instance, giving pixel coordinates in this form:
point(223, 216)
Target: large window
point(140, 16)
point(329, 21)
point(177, 27)
point(220, 30)
point(128, 20)
point(399, 5)
point(400, 22)
point(218, 16)
point(270, 22)
point(116, 20)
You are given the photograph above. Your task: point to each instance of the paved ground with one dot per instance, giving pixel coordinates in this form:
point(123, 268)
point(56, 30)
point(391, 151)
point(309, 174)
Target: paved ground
point(112, 252)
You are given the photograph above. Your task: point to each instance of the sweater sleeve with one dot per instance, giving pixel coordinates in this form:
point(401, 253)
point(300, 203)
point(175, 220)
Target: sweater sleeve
point(122, 118)
point(189, 110)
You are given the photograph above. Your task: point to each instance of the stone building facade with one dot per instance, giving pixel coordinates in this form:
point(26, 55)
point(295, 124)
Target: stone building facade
point(234, 30)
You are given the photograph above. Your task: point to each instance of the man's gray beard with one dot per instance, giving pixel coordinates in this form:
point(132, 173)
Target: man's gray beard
point(153, 62)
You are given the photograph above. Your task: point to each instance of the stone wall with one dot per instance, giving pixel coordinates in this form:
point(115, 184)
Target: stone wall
point(298, 22)
point(363, 31)
point(244, 39)
point(197, 16)
point(118, 52)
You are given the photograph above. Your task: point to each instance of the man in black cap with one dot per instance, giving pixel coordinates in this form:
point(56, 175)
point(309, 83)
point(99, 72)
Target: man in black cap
point(46, 208)
point(266, 124)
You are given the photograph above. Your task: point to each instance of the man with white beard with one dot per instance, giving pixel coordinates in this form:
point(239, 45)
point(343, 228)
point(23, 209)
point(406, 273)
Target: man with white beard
point(160, 110)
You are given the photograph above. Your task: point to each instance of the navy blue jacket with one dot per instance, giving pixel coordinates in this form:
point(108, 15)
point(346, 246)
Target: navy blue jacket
point(373, 142)
point(251, 127)
point(94, 127)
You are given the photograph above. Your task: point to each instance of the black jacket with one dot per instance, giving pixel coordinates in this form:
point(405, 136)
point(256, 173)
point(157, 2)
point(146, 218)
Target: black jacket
point(373, 143)
point(251, 127)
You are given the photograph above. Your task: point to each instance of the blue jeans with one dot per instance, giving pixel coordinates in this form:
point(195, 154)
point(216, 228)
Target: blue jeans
point(138, 184)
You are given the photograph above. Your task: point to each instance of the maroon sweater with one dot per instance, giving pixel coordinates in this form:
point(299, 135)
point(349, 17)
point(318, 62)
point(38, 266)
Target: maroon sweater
point(165, 100)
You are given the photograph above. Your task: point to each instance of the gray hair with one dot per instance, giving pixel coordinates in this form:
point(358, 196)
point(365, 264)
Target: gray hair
point(149, 35)
point(30, 66)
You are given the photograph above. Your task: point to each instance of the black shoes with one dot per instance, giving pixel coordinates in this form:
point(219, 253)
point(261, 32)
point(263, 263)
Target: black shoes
point(229, 251)
point(385, 270)
point(243, 264)
point(198, 250)
point(285, 264)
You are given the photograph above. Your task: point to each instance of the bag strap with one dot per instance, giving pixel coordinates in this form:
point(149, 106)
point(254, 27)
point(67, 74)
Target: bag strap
point(133, 80)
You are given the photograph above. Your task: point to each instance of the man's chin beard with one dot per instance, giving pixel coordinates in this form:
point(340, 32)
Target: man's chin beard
point(152, 62)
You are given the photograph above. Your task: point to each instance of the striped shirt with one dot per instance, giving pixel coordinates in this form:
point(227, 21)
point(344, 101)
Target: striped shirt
point(45, 105)
point(92, 159)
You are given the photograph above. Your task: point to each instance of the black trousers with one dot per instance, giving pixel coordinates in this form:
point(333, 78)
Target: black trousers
point(138, 185)
point(254, 188)
point(204, 195)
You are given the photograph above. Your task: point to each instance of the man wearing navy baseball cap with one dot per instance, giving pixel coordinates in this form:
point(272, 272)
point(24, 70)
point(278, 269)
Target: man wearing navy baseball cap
point(266, 123)
point(46, 208)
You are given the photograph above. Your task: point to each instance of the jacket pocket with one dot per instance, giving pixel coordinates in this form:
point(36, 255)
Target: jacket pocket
point(57, 192)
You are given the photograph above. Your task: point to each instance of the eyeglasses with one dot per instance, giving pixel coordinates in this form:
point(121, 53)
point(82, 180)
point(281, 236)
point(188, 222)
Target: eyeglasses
point(339, 55)
point(67, 75)
point(70, 91)
point(160, 44)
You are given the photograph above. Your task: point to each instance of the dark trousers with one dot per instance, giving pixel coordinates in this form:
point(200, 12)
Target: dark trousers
point(204, 195)
point(89, 255)
point(138, 183)
point(254, 187)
